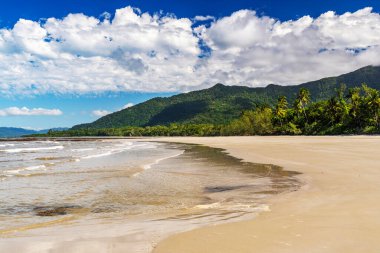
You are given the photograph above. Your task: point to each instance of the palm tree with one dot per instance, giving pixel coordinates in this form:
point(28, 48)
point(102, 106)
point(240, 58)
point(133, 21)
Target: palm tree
point(355, 99)
point(303, 98)
point(281, 109)
point(337, 108)
point(372, 103)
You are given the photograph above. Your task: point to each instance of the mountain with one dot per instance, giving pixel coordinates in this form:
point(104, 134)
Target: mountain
point(14, 132)
point(8, 132)
point(220, 104)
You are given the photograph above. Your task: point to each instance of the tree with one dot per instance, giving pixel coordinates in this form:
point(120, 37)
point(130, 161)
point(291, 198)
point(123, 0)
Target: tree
point(281, 110)
point(303, 98)
point(261, 121)
point(354, 111)
point(371, 102)
point(337, 108)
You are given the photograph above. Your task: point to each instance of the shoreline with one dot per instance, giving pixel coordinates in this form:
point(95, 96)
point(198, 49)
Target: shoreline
point(201, 185)
point(335, 211)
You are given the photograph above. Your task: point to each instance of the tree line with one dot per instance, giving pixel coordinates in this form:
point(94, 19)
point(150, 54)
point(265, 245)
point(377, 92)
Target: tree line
point(356, 111)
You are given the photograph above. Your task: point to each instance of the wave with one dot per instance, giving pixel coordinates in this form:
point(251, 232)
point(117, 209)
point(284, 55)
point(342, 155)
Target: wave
point(13, 172)
point(128, 143)
point(35, 167)
point(110, 152)
point(55, 142)
point(82, 149)
point(19, 150)
point(122, 147)
point(98, 155)
point(6, 145)
point(209, 206)
point(235, 207)
point(149, 166)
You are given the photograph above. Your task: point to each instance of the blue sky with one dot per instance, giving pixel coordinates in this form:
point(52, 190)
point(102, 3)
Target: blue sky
point(75, 109)
point(11, 11)
point(71, 69)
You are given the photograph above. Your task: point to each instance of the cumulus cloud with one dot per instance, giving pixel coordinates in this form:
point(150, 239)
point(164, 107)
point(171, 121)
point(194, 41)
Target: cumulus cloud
point(128, 105)
point(203, 18)
point(136, 51)
point(252, 50)
point(100, 113)
point(24, 111)
point(79, 54)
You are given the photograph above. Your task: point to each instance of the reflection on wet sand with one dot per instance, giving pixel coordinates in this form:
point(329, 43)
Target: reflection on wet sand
point(200, 186)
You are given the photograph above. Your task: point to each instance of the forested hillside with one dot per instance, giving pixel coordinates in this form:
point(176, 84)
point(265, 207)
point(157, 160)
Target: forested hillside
point(222, 104)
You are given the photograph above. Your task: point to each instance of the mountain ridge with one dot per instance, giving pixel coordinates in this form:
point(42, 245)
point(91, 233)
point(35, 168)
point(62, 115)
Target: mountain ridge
point(221, 104)
point(10, 132)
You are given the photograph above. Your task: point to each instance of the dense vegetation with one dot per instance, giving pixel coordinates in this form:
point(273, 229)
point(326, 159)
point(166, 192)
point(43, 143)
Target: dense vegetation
point(352, 111)
point(220, 105)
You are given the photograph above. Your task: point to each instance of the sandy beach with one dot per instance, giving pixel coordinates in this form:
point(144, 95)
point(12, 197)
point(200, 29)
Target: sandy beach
point(336, 210)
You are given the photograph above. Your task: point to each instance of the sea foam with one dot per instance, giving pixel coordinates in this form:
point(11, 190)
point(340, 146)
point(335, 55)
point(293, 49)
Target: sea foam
point(19, 150)
point(149, 166)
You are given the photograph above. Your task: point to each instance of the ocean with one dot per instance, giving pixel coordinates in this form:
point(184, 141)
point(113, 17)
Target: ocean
point(57, 191)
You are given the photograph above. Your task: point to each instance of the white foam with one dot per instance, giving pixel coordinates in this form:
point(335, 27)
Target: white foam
point(19, 150)
point(149, 166)
point(17, 171)
point(98, 155)
point(12, 172)
point(247, 208)
point(7, 145)
point(120, 148)
point(235, 207)
point(37, 167)
point(208, 206)
point(108, 153)
point(128, 143)
point(82, 149)
point(55, 142)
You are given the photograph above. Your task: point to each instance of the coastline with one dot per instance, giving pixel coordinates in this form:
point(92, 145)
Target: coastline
point(335, 211)
point(175, 188)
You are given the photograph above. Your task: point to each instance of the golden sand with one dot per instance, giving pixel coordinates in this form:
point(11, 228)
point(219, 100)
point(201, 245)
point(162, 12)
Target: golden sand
point(337, 210)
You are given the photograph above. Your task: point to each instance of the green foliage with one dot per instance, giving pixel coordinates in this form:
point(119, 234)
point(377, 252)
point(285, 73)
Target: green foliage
point(222, 105)
point(320, 107)
point(356, 113)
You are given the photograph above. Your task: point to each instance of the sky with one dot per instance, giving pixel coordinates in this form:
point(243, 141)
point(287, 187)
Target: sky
point(68, 62)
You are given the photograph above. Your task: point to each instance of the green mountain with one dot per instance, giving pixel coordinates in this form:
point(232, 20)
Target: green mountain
point(220, 104)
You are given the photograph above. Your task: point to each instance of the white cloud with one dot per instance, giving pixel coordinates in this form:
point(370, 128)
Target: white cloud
point(137, 51)
point(24, 111)
point(127, 105)
point(203, 18)
point(32, 128)
point(80, 54)
point(100, 113)
point(252, 50)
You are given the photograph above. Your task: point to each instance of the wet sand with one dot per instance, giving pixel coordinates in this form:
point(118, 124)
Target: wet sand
point(126, 196)
point(336, 210)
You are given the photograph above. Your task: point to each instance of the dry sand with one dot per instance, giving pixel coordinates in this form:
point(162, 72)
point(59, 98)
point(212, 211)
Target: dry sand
point(337, 209)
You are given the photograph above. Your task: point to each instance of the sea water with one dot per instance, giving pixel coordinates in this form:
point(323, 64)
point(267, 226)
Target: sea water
point(56, 191)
